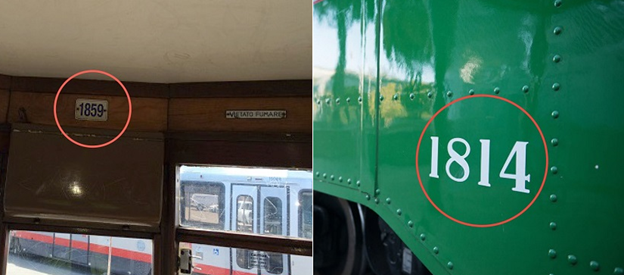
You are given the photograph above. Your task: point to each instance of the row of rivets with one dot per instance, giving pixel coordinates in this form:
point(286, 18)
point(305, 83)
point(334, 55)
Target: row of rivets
point(555, 114)
point(328, 101)
point(435, 249)
point(340, 178)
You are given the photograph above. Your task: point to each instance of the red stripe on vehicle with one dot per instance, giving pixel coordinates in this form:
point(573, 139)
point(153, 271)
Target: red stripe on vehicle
point(101, 249)
point(317, 1)
point(212, 270)
point(235, 272)
point(80, 245)
point(34, 237)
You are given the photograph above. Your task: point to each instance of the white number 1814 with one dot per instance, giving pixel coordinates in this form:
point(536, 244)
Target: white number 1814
point(518, 150)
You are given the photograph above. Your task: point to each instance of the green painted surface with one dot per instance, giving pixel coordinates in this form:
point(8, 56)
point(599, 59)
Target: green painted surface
point(409, 59)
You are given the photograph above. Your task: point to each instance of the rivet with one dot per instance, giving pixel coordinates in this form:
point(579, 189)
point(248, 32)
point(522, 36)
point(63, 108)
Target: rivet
point(399, 212)
point(327, 101)
point(388, 201)
point(552, 253)
point(556, 86)
point(357, 183)
point(348, 99)
point(378, 191)
point(412, 96)
point(449, 265)
point(553, 197)
point(395, 96)
point(554, 170)
point(556, 58)
point(471, 92)
point(525, 88)
point(594, 265)
point(429, 94)
point(554, 142)
point(618, 270)
point(331, 177)
point(423, 237)
point(497, 90)
point(340, 179)
point(376, 201)
point(360, 99)
point(318, 174)
point(367, 197)
point(337, 100)
point(410, 223)
point(572, 259)
point(557, 3)
point(449, 94)
point(381, 98)
point(318, 101)
point(557, 30)
point(324, 175)
point(436, 250)
point(553, 225)
point(37, 221)
point(349, 181)
point(555, 114)
point(597, 166)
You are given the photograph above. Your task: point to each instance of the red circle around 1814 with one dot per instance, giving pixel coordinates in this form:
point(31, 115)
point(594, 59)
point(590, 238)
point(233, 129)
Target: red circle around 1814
point(120, 133)
point(490, 224)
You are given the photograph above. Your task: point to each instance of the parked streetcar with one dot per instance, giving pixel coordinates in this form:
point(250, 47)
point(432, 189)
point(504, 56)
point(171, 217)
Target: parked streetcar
point(259, 201)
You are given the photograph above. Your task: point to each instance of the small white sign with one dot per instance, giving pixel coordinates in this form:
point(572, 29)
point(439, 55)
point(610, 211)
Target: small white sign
point(91, 109)
point(266, 114)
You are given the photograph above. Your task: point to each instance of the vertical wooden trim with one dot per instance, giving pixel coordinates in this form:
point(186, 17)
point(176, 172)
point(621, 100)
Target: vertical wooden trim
point(4, 247)
point(170, 253)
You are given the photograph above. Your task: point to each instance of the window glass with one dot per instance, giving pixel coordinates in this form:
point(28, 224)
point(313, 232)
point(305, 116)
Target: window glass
point(244, 214)
point(273, 216)
point(203, 204)
point(49, 253)
point(245, 199)
point(273, 225)
point(305, 214)
point(220, 260)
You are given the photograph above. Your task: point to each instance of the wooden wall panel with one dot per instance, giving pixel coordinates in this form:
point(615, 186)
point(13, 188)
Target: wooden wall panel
point(4, 105)
point(148, 114)
point(208, 114)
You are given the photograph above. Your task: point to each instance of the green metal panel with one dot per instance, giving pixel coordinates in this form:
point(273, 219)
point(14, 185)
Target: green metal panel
point(539, 79)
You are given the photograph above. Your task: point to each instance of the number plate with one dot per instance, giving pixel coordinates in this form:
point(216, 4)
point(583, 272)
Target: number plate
point(91, 109)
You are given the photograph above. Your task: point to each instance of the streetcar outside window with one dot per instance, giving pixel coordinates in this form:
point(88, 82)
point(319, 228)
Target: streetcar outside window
point(35, 252)
point(251, 200)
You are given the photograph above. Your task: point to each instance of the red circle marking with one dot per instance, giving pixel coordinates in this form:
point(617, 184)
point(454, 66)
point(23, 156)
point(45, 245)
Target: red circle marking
point(129, 109)
point(472, 224)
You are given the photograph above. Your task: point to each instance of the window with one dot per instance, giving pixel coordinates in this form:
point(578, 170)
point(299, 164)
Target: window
point(244, 214)
point(217, 260)
point(203, 204)
point(273, 225)
point(34, 252)
point(273, 216)
point(253, 201)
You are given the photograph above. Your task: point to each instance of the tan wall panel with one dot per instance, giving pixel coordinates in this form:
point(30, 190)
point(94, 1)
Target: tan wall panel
point(4, 105)
point(148, 114)
point(208, 114)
